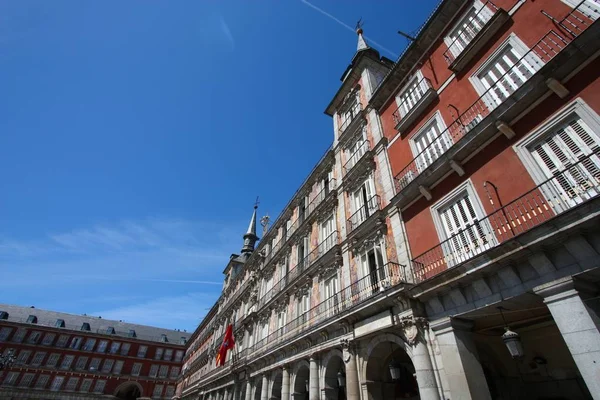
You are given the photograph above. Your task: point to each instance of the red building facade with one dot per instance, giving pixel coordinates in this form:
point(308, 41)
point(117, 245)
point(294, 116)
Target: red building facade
point(65, 356)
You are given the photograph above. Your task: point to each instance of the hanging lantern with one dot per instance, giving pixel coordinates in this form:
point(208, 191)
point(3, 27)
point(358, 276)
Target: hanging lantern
point(512, 340)
point(341, 378)
point(306, 385)
point(395, 371)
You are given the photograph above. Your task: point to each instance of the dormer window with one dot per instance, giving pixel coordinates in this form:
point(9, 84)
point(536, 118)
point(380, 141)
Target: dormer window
point(182, 340)
point(3, 315)
point(110, 330)
point(85, 327)
point(163, 338)
point(131, 333)
point(60, 323)
point(32, 319)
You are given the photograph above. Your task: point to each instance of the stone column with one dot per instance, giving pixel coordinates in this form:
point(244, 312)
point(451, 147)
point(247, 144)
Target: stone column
point(264, 393)
point(578, 324)
point(236, 391)
point(349, 357)
point(285, 383)
point(414, 331)
point(313, 381)
point(248, 389)
point(461, 363)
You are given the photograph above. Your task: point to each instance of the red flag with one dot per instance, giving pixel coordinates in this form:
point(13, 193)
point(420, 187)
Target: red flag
point(228, 343)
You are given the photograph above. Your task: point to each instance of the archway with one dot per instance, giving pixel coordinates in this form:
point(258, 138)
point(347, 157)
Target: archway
point(128, 391)
point(300, 383)
point(277, 380)
point(332, 366)
point(257, 387)
point(380, 384)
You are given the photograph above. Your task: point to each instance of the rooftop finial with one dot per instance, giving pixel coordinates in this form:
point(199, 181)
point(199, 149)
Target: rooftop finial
point(250, 237)
point(362, 45)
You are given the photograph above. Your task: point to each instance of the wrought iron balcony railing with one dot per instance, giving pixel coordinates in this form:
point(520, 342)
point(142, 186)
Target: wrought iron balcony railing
point(410, 98)
point(360, 150)
point(576, 184)
point(371, 206)
point(581, 17)
point(353, 114)
point(322, 195)
point(543, 51)
point(378, 281)
point(473, 23)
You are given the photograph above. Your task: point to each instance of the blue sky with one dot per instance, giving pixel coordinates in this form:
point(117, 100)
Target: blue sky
point(135, 136)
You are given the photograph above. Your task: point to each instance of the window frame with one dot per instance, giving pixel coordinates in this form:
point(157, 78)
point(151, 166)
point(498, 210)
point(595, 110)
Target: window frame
point(438, 119)
point(478, 5)
point(416, 77)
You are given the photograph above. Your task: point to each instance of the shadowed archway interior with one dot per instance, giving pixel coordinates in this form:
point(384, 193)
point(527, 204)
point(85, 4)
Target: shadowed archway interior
point(128, 391)
point(299, 391)
point(380, 383)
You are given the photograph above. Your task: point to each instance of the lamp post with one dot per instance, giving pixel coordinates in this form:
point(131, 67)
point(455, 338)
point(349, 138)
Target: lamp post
point(7, 360)
point(511, 339)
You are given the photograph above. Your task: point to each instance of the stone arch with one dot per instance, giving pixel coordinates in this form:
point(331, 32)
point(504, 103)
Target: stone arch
point(325, 361)
point(257, 387)
point(331, 364)
point(275, 382)
point(129, 390)
point(300, 373)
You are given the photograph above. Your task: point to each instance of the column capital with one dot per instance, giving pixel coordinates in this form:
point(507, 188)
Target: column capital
point(564, 288)
point(413, 326)
point(448, 324)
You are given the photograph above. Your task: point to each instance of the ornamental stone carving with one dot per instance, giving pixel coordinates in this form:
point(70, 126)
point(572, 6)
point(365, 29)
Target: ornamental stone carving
point(413, 327)
point(348, 349)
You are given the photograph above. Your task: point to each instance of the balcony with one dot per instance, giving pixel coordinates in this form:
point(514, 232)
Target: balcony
point(476, 29)
point(571, 187)
point(322, 197)
point(511, 95)
point(378, 282)
point(413, 102)
point(371, 206)
point(352, 120)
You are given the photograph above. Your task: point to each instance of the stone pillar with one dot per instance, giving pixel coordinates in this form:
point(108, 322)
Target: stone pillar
point(285, 383)
point(461, 363)
point(313, 381)
point(264, 393)
point(578, 324)
point(248, 389)
point(352, 381)
point(236, 391)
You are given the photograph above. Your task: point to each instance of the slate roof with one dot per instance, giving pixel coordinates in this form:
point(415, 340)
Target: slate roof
point(98, 325)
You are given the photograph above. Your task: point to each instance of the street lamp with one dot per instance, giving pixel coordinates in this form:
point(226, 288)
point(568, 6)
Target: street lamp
point(511, 339)
point(306, 385)
point(7, 360)
point(341, 379)
point(395, 370)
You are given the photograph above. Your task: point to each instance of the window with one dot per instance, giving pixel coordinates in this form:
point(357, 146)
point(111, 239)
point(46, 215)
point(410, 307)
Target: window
point(302, 255)
point(3, 315)
point(11, 378)
point(99, 388)
point(32, 319)
point(19, 335)
point(142, 351)
point(4, 333)
point(85, 327)
point(331, 289)
point(182, 340)
point(468, 27)
point(505, 71)
point(67, 361)
point(60, 323)
point(52, 360)
point(170, 391)
point(158, 354)
point(57, 383)
point(303, 304)
point(372, 265)
point(72, 383)
point(118, 367)
point(81, 363)
point(411, 93)
point(430, 142)
point(26, 380)
point(89, 344)
point(458, 222)
point(131, 333)
point(174, 372)
point(153, 371)
point(281, 319)
point(102, 345)
point(114, 347)
point(38, 358)
point(350, 109)
point(34, 337)
point(355, 151)
point(158, 389)
point(136, 368)
point(365, 203)
point(42, 381)
point(163, 337)
point(62, 340)
point(107, 366)
point(110, 330)
point(76, 342)
point(125, 349)
point(86, 384)
point(48, 339)
point(168, 355)
point(565, 150)
point(95, 364)
point(265, 330)
point(163, 371)
point(179, 355)
point(327, 239)
point(23, 357)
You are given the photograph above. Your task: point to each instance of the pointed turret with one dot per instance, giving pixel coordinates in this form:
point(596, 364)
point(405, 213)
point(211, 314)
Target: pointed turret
point(362, 44)
point(250, 237)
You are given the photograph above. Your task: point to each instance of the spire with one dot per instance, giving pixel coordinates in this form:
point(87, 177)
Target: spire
point(362, 44)
point(250, 237)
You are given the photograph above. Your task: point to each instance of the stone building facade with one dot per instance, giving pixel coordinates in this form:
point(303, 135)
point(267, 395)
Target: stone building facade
point(447, 245)
point(64, 356)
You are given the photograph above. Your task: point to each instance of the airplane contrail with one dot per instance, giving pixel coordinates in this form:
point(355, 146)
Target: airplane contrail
point(345, 25)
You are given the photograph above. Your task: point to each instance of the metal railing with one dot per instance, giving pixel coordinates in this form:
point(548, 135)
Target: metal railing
point(354, 113)
point(361, 149)
point(371, 206)
point(410, 98)
point(522, 70)
point(322, 195)
point(581, 17)
point(472, 25)
point(576, 184)
point(378, 281)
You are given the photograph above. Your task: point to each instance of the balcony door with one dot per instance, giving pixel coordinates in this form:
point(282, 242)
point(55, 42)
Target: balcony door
point(356, 150)
point(372, 263)
point(570, 158)
point(430, 143)
point(468, 27)
point(327, 239)
point(331, 289)
point(363, 199)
